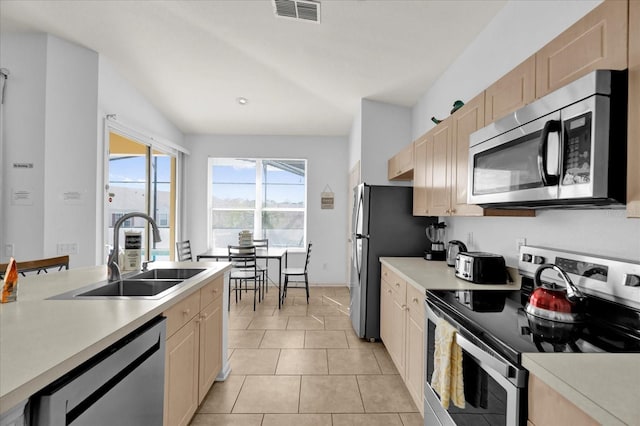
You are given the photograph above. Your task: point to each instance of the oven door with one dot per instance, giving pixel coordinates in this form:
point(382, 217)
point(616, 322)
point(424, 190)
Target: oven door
point(518, 166)
point(495, 390)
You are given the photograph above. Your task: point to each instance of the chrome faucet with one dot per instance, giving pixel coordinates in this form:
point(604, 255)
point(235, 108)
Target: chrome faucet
point(113, 270)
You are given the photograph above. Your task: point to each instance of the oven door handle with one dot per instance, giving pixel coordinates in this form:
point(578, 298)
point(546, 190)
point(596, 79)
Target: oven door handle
point(484, 358)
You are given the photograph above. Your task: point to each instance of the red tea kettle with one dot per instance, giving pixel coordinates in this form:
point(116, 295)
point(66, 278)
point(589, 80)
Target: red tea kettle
point(555, 304)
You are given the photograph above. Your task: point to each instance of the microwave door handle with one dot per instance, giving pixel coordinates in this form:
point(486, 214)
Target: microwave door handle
point(551, 126)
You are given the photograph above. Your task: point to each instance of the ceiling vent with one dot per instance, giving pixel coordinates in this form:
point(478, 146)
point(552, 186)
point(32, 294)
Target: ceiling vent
point(306, 10)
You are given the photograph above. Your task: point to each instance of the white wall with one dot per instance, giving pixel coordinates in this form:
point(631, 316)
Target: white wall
point(23, 142)
point(386, 129)
point(56, 98)
point(327, 162)
point(517, 32)
point(49, 121)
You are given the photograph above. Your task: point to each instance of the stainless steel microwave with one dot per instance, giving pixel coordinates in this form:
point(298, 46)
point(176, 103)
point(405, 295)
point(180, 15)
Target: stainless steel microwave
point(565, 149)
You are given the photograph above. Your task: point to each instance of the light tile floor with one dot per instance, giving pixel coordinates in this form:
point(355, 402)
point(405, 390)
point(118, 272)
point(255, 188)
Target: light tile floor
point(303, 365)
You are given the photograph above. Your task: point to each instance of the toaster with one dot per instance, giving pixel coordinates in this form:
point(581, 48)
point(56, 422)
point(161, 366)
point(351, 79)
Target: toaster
point(481, 268)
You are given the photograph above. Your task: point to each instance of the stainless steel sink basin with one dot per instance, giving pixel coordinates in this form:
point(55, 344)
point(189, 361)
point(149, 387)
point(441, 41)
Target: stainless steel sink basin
point(168, 274)
point(132, 287)
point(153, 284)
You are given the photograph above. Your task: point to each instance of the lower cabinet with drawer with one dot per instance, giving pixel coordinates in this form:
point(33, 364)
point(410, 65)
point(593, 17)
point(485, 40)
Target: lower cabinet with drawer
point(194, 351)
point(402, 331)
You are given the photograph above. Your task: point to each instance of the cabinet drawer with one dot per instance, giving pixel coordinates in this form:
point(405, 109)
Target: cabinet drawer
point(211, 291)
point(415, 303)
point(180, 313)
point(397, 284)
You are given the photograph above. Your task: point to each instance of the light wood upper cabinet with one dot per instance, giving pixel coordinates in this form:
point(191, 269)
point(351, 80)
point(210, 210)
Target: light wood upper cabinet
point(514, 90)
point(420, 193)
point(400, 166)
point(465, 121)
point(633, 136)
point(440, 177)
point(597, 41)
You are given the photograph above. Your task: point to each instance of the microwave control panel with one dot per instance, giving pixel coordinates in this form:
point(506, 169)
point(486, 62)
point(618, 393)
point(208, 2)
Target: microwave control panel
point(576, 160)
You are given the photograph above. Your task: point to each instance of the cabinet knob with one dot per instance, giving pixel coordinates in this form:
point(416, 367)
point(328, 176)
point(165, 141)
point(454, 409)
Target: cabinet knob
point(453, 211)
point(404, 307)
point(186, 311)
point(414, 300)
point(397, 284)
point(204, 317)
point(389, 291)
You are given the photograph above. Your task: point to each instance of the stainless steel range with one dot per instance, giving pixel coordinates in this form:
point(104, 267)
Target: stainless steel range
point(494, 330)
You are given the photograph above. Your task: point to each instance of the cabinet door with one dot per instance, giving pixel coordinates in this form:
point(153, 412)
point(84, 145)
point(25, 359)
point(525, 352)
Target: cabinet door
point(465, 121)
point(548, 407)
point(210, 346)
point(397, 338)
point(514, 90)
point(440, 188)
point(597, 41)
point(420, 194)
point(400, 166)
point(414, 378)
point(181, 375)
point(633, 137)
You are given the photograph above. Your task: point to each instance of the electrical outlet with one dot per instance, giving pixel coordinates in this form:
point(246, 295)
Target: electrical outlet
point(520, 242)
point(8, 250)
point(469, 238)
point(67, 248)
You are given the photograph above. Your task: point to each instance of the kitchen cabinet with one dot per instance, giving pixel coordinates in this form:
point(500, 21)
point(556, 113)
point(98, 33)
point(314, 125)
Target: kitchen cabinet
point(400, 166)
point(442, 166)
point(392, 314)
point(597, 41)
point(194, 351)
point(421, 153)
point(549, 408)
point(402, 331)
point(633, 136)
point(514, 90)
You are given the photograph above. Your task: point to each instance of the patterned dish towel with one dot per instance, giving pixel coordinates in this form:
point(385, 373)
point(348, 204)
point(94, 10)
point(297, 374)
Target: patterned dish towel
point(447, 366)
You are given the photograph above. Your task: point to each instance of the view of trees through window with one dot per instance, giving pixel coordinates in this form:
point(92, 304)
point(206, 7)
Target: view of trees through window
point(265, 196)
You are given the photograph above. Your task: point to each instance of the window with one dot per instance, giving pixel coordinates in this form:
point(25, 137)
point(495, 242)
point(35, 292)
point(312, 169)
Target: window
point(266, 196)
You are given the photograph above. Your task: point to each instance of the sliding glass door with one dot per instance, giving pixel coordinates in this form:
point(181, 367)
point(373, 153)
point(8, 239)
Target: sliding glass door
point(142, 179)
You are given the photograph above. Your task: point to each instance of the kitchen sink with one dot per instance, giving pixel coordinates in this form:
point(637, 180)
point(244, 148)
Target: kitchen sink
point(152, 284)
point(131, 287)
point(167, 274)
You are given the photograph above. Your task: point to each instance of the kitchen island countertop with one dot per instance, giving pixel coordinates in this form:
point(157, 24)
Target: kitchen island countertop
point(42, 339)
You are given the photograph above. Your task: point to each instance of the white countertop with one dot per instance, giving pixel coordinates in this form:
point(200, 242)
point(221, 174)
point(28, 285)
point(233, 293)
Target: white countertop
point(436, 275)
point(605, 386)
point(41, 340)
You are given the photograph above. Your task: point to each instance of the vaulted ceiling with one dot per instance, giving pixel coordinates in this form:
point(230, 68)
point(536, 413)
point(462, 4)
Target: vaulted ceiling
point(194, 59)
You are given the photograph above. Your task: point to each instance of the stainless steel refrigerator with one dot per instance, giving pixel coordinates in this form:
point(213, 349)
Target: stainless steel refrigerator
point(383, 225)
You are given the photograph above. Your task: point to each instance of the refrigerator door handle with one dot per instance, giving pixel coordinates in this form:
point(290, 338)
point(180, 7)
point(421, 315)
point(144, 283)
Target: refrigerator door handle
point(361, 236)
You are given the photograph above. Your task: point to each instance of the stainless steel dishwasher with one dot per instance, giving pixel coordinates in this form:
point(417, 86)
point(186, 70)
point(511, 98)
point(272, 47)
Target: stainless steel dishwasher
point(123, 385)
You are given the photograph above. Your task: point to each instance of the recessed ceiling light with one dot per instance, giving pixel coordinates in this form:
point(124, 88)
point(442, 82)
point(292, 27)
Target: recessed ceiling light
point(242, 100)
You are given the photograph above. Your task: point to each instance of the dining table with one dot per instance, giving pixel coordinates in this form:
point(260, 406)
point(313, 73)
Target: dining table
point(267, 253)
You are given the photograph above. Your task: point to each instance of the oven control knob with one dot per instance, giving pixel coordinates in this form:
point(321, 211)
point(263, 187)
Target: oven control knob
point(538, 260)
point(632, 280)
point(526, 257)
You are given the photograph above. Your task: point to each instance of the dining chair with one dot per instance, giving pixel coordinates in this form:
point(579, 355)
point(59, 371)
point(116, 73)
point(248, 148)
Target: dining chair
point(244, 269)
point(297, 272)
point(183, 251)
point(264, 245)
point(37, 266)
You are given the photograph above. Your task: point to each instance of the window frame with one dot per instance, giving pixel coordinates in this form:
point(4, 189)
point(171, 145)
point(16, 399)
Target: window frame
point(259, 207)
